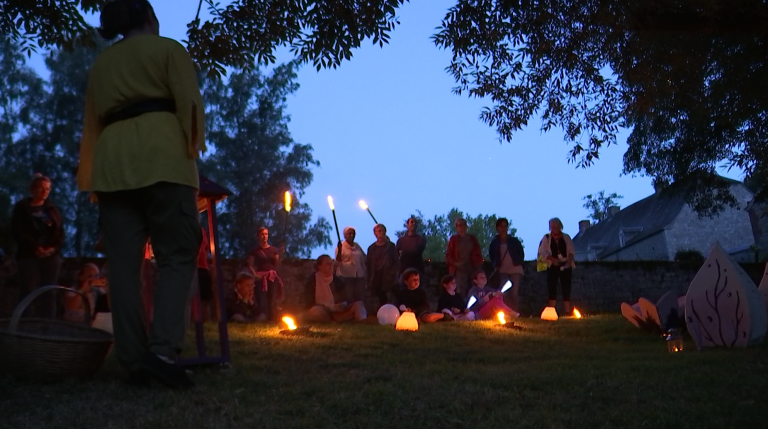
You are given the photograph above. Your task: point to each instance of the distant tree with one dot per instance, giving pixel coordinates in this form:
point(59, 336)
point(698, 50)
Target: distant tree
point(439, 230)
point(254, 155)
point(599, 203)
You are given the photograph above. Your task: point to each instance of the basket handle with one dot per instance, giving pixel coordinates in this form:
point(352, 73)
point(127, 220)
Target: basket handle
point(39, 291)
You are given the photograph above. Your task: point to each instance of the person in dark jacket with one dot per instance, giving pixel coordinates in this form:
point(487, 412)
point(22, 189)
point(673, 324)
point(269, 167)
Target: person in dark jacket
point(411, 248)
point(414, 299)
point(324, 296)
point(507, 256)
point(383, 269)
point(452, 303)
point(39, 231)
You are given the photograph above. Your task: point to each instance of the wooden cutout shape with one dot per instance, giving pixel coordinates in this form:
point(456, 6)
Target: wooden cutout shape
point(650, 314)
point(667, 309)
point(763, 288)
point(723, 306)
point(631, 313)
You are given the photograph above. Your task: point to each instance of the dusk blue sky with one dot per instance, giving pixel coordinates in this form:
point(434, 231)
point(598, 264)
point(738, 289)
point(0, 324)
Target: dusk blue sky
point(387, 128)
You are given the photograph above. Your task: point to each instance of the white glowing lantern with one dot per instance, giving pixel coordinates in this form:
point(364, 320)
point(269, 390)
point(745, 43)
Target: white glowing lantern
point(549, 313)
point(407, 322)
point(388, 314)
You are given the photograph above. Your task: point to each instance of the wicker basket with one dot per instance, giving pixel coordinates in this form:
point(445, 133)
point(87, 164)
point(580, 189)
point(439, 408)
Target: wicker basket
point(51, 350)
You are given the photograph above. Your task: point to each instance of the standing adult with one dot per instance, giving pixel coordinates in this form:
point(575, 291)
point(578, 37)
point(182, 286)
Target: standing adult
point(411, 248)
point(144, 125)
point(556, 248)
point(38, 229)
point(382, 264)
point(507, 256)
point(262, 263)
point(463, 256)
point(351, 266)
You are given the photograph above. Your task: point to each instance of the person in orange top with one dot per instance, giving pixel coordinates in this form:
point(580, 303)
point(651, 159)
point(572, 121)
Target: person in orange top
point(143, 128)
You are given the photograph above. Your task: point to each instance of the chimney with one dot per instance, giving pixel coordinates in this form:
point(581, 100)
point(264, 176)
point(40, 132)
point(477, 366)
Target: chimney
point(583, 225)
point(612, 210)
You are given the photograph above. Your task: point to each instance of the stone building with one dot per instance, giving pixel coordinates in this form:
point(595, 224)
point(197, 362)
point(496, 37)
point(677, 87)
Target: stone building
point(657, 227)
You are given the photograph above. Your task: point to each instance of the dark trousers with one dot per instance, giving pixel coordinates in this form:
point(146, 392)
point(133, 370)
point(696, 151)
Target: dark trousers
point(34, 273)
point(565, 277)
point(266, 299)
point(167, 214)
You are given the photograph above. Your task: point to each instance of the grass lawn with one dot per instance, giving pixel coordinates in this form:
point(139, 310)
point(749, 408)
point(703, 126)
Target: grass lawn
point(597, 372)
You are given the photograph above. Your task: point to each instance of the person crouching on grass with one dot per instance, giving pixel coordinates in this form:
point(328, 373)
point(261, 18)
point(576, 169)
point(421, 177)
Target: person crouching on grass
point(241, 305)
point(90, 285)
point(452, 303)
point(489, 300)
point(414, 298)
point(323, 291)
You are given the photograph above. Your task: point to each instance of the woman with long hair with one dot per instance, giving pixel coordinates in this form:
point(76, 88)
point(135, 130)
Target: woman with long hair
point(144, 125)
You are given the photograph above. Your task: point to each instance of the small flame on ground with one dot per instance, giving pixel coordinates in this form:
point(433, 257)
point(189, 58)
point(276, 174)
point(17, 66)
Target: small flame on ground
point(289, 321)
point(576, 314)
point(502, 318)
point(287, 201)
point(363, 205)
point(330, 203)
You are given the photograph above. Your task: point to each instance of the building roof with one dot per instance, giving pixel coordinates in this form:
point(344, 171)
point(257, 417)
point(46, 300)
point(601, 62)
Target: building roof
point(212, 190)
point(639, 221)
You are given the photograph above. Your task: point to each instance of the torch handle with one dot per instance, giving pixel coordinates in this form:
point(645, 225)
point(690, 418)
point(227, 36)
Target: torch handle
point(337, 226)
point(374, 219)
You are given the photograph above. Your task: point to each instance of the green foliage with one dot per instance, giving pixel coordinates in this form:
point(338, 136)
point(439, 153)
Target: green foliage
point(254, 155)
point(599, 203)
point(323, 32)
point(687, 257)
point(439, 230)
point(674, 72)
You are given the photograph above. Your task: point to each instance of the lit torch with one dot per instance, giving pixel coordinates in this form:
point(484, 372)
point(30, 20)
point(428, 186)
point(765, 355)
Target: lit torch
point(333, 210)
point(502, 318)
point(364, 206)
point(287, 210)
point(289, 321)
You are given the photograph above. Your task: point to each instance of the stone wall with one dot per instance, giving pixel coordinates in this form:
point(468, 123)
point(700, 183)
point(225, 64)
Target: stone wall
point(597, 286)
point(732, 227)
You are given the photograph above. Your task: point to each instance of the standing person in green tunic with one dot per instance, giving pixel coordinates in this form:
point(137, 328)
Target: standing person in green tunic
point(144, 125)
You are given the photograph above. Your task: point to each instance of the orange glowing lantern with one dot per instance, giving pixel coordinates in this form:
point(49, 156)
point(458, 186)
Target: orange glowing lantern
point(407, 322)
point(549, 313)
point(576, 314)
point(289, 321)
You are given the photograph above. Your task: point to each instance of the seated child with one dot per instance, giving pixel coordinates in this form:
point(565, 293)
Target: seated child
point(414, 299)
point(489, 301)
point(323, 296)
point(240, 303)
point(452, 303)
point(89, 284)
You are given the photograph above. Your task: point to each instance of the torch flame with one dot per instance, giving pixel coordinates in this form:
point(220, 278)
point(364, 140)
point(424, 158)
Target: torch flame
point(289, 321)
point(330, 203)
point(576, 314)
point(363, 205)
point(287, 201)
point(502, 318)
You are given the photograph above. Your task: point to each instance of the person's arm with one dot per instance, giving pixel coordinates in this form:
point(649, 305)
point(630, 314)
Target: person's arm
point(309, 292)
point(545, 252)
point(252, 267)
point(493, 255)
point(57, 239)
point(423, 302)
point(477, 254)
point(569, 249)
point(190, 109)
point(520, 249)
point(395, 259)
point(443, 302)
point(422, 244)
point(92, 129)
point(449, 255)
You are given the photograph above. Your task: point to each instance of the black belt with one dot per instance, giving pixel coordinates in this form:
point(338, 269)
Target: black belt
point(140, 108)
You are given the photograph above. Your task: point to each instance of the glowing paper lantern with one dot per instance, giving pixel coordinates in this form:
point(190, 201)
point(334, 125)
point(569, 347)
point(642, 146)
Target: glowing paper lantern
point(502, 318)
point(407, 322)
point(723, 307)
point(549, 313)
point(388, 314)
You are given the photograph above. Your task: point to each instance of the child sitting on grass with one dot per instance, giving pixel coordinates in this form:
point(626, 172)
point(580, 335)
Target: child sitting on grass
point(241, 305)
point(489, 301)
point(414, 299)
point(452, 303)
point(89, 284)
